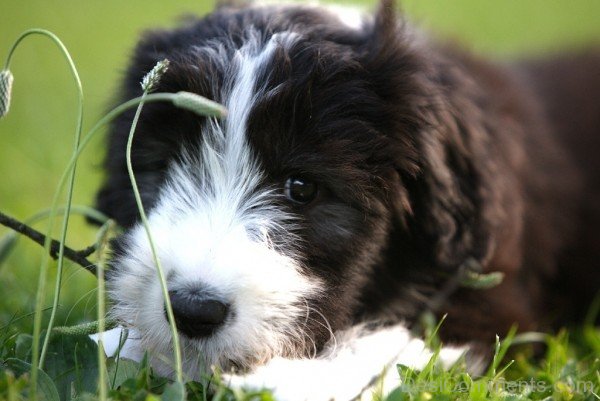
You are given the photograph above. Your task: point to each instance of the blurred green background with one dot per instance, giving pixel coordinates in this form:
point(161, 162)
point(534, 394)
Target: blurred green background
point(36, 136)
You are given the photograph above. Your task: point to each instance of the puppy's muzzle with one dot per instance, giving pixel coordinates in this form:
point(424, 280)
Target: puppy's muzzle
point(197, 315)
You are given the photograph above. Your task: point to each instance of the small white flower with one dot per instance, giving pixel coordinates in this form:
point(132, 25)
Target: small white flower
point(151, 79)
point(6, 80)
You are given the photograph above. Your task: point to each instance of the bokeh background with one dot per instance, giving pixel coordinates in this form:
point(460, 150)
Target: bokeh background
point(36, 136)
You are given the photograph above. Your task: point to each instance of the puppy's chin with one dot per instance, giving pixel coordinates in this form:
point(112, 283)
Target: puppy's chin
point(202, 358)
point(266, 295)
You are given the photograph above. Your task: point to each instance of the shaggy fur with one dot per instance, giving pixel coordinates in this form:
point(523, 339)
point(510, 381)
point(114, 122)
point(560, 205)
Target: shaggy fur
point(425, 157)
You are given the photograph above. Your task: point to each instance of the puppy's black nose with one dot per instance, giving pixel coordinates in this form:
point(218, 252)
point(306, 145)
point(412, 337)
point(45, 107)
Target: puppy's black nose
point(197, 316)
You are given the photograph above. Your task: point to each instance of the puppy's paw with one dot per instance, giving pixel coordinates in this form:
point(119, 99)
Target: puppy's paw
point(357, 364)
point(297, 380)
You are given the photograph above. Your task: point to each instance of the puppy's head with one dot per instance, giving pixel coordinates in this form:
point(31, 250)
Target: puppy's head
point(271, 222)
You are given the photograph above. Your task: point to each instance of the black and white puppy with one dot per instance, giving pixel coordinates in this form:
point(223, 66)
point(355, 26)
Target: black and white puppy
point(358, 168)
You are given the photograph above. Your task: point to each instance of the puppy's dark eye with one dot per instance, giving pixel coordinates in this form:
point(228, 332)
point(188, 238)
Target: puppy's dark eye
point(300, 190)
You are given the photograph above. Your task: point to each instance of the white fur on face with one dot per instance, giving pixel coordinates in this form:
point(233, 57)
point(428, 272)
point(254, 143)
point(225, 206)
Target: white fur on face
point(213, 227)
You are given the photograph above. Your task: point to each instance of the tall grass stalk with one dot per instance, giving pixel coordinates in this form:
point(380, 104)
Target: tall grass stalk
point(101, 294)
point(159, 269)
point(37, 357)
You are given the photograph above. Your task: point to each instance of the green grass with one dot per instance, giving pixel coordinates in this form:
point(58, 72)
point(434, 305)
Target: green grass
point(36, 135)
point(36, 143)
point(566, 372)
point(569, 370)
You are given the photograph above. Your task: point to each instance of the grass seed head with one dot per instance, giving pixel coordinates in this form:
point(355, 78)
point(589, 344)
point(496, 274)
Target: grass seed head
point(151, 79)
point(6, 80)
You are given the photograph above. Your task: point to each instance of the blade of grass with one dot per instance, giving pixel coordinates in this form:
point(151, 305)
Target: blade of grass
point(500, 350)
point(159, 269)
point(103, 253)
point(37, 357)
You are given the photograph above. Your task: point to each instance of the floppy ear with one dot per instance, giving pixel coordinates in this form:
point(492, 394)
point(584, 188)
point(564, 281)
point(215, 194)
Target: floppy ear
point(436, 134)
point(448, 196)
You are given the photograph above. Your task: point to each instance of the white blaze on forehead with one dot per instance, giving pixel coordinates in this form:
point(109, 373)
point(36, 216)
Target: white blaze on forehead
point(223, 176)
point(213, 226)
point(249, 61)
